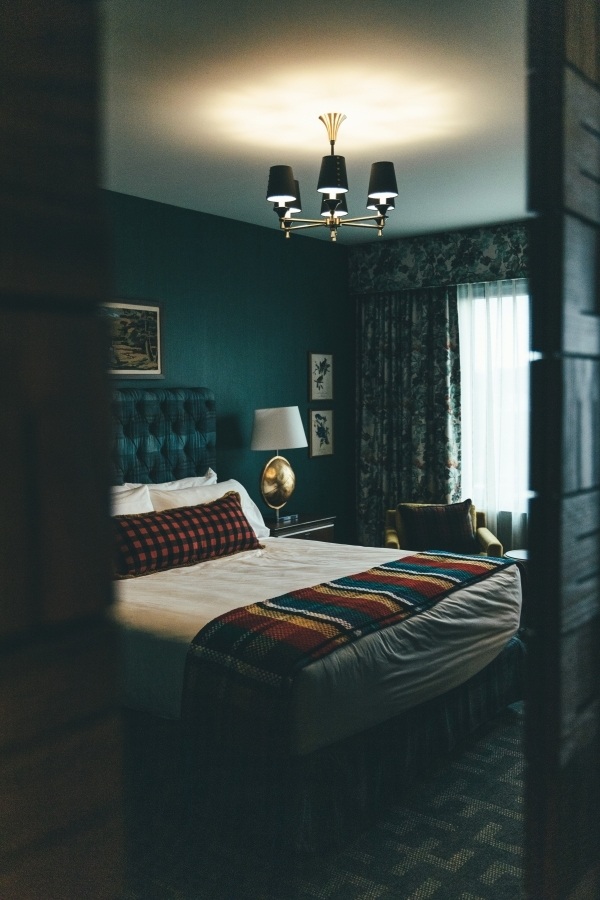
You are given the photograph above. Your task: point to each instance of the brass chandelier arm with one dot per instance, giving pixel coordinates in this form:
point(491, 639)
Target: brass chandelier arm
point(314, 222)
point(361, 220)
point(289, 225)
point(358, 222)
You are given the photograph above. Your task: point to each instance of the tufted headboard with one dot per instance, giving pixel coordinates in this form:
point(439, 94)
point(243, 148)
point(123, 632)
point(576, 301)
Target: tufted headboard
point(161, 434)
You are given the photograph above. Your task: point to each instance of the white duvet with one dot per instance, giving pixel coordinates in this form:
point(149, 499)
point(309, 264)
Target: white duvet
point(354, 688)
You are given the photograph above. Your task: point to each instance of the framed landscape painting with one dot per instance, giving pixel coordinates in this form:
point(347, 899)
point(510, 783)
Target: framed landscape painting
point(134, 339)
point(321, 432)
point(320, 376)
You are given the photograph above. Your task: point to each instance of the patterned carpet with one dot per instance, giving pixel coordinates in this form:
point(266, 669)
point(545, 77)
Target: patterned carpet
point(457, 835)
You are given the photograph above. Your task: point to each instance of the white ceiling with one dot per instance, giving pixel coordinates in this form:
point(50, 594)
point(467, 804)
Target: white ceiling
point(202, 96)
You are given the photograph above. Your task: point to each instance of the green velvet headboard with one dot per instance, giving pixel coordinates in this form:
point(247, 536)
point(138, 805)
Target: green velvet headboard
point(161, 434)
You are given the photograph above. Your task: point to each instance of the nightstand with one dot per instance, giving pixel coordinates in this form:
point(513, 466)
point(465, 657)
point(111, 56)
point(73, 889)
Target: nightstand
point(310, 528)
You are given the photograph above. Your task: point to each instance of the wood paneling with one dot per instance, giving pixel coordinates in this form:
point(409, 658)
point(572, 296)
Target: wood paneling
point(583, 36)
point(581, 424)
point(563, 729)
point(580, 535)
point(54, 450)
point(581, 322)
point(61, 834)
point(582, 147)
point(50, 229)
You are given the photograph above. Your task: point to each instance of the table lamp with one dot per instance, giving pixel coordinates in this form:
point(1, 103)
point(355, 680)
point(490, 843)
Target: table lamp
point(275, 429)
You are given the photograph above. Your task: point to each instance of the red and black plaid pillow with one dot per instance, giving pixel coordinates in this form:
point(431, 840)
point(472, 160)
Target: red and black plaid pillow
point(439, 527)
point(181, 536)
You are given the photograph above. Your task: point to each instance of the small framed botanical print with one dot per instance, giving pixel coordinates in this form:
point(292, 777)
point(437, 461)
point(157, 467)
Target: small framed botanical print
point(320, 376)
point(321, 432)
point(134, 339)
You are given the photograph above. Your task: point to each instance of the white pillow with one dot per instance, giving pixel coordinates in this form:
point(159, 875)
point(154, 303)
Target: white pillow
point(182, 483)
point(130, 500)
point(206, 494)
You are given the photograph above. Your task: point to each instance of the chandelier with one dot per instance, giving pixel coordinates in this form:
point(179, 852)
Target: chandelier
point(284, 192)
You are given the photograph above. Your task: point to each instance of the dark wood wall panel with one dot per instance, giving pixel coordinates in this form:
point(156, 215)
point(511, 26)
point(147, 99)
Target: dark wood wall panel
point(583, 36)
point(579, 680)
point(56, 466)
point(563, 727)
point(582, 147)
point(51, 233)
point(60, 738)
point(575, 818)
point(581, 436)
point(580, 537)
point(581, 328)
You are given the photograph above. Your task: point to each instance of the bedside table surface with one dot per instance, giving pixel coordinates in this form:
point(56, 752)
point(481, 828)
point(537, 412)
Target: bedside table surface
point(302, 526)
point(520, 555)
point(301, 520)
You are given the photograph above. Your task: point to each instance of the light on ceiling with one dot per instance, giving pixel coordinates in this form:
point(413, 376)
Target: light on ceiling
point(284, 192)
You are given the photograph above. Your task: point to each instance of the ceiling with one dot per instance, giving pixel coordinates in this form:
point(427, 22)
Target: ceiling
point(200, 97)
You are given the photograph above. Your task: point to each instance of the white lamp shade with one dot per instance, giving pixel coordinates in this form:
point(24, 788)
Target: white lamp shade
point(278, 428)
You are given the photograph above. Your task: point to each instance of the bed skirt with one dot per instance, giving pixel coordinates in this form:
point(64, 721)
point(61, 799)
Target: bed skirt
point(283, 803)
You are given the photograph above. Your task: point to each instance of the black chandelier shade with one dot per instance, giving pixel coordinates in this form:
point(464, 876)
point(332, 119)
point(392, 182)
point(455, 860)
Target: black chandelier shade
point(282, 186)
point(332, 177)
point(382, 183)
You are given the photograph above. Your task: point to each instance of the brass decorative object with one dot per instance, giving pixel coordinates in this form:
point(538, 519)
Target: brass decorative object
point(277, 482)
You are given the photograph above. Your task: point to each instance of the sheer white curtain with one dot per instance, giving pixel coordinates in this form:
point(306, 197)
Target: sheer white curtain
point(494, 358)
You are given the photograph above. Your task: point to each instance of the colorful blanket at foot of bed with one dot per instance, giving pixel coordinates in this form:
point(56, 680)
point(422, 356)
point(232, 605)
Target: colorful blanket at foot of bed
point(241, 667)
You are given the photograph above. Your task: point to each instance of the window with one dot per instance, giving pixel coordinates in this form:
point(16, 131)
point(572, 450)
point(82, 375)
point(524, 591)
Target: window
point(494, 357)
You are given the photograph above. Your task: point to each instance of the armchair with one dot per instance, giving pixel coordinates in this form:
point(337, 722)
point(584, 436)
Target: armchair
point(455, 527)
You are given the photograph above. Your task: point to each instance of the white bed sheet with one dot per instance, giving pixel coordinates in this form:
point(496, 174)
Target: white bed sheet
point(354, 688)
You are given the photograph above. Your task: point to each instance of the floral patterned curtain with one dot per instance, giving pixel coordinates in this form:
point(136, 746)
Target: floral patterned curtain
point(408, 381)
point(454, 257)
point(408, 403)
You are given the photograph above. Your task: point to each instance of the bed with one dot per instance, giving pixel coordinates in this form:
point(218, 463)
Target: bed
point(356, 721)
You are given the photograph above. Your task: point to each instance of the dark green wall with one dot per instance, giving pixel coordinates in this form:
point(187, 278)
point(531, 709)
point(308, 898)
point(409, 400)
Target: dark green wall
point(241, 309)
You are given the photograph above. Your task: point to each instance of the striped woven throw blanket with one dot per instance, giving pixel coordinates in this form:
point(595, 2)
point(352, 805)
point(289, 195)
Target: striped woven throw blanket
point(241, 667)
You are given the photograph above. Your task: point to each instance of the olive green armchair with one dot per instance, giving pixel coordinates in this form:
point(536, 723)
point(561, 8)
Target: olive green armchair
point(454, 527)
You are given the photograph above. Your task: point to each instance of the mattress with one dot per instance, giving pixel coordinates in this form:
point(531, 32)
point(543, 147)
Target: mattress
point(358, 686)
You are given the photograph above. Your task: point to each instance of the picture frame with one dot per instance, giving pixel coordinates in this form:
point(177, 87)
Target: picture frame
point(320, 426)
point(135, 340)
point(320, 376)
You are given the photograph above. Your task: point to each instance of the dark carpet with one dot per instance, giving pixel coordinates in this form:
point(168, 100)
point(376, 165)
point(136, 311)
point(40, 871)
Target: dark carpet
point(457, 834)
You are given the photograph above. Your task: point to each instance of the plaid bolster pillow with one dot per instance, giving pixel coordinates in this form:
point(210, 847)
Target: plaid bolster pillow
point(439, 527)
point(181, 537)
